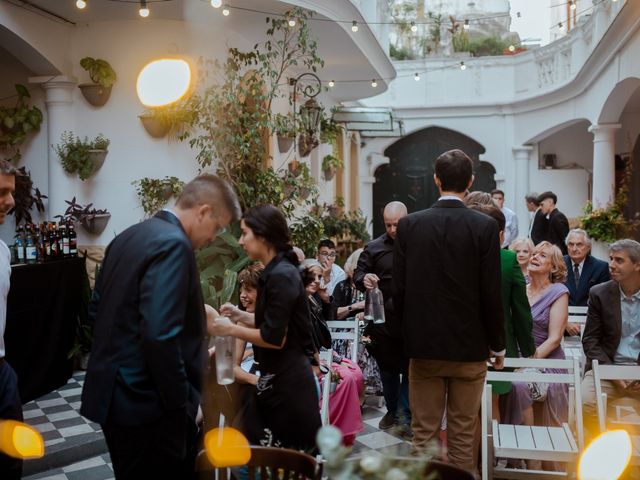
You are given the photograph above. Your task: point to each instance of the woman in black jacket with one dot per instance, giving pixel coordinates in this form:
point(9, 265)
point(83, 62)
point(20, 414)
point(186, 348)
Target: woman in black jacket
point(286, 400)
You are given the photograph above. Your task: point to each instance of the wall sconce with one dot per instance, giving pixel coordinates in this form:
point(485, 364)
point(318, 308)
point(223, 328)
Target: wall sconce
point(310, 113)
point(163, 82)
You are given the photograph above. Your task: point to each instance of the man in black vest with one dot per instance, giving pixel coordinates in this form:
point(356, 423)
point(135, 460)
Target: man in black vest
point(558, 226)
point(446, 273)
point(149, 355)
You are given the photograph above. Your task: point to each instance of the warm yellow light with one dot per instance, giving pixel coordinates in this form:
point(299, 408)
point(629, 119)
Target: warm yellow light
point(606, 457)
point(227, 447)
point(216, 3)
point(81, 4)
point(163, 81)
point(512, 48)
point(20, 440)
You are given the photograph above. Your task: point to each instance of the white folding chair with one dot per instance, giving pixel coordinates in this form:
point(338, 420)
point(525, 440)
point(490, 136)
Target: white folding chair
point(625, 413)
point(346, 330)
point(574, 310)
point(546, 443)
point(326, 357)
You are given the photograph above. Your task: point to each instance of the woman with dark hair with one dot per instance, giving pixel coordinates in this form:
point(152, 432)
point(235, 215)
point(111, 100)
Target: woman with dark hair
point(286, 400)
point(344, 402)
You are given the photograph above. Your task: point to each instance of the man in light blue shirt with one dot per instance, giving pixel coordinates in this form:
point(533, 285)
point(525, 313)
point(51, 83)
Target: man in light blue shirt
point(511, 228)
point(612, 331)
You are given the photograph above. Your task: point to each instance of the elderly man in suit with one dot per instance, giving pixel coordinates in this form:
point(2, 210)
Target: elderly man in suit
point(584, 271)
point(447, 298)
point(147, 365)
point(612, 332)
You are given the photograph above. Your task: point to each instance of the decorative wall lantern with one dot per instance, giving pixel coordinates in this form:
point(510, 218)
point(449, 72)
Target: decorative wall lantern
point(310, 113)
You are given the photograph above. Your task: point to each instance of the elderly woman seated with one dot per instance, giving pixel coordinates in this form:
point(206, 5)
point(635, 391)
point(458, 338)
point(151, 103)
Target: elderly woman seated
point(344, 402)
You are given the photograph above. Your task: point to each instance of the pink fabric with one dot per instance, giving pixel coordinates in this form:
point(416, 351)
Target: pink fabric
point(344, 403)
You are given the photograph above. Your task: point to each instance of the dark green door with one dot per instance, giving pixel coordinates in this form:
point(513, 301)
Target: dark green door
point(408, 177)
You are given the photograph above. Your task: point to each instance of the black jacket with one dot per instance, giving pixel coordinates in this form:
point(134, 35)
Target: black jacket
point(149, 351)
point(446, 271)
point(603, 329)
point(558, 230)
point(539, 228)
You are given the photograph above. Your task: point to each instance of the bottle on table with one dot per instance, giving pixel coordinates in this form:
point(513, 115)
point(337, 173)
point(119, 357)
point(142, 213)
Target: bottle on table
point(20, 244)
point(73, 241)
point(30, 245)
point(65, 240)
point(53, 241)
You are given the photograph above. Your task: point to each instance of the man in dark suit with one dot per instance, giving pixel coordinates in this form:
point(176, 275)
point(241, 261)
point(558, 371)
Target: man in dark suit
point(584, 271)
point(558, 225)
point(147, 364)
point(612, 332)
point(446, 273)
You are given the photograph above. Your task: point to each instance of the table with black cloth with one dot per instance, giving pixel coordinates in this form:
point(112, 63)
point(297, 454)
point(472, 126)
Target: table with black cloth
point(42, 318)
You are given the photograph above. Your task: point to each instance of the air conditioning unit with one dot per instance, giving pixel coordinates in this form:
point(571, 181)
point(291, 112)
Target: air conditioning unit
point(549, 160)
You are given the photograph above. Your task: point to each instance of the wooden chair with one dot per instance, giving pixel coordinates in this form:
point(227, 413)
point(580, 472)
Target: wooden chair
point(544, 443)
point(625, 413)
point(267, 463)
point(346, 330)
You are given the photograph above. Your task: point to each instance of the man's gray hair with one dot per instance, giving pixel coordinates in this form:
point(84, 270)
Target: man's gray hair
point(578, 231)
point(630, 246)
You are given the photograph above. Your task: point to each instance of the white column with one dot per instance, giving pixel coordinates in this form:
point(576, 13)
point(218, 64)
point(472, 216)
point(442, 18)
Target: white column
point(59, 102)
point(366, 200)
point(521, 157)
point(604, 149)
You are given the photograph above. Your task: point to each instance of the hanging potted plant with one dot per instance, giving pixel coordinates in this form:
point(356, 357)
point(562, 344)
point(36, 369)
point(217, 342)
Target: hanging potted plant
point(173, 120)
point(286, 130)
point(93, 220)
point(330, 165)
point(330, 130)
point(81, 156)
point(17, 122)
point(155, 192)
point(102, 75)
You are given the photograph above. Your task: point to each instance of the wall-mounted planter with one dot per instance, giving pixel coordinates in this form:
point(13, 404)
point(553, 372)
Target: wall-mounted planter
point(285, 144)
point(95, 94)
point(329, 173)
point(153, 126)
point(97, 157)
point(96, 224)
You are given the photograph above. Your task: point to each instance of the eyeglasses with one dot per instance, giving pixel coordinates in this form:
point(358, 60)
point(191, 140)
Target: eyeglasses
point(328, 255)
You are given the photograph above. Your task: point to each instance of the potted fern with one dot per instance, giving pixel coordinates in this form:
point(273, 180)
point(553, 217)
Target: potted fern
point(285, 129)
point(17, 123)
point(79, 156)
point(155, 192)
point(330, 165)
point(102, 76)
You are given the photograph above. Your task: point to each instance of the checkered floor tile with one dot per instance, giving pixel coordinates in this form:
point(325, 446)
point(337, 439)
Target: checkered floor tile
point(57, 417)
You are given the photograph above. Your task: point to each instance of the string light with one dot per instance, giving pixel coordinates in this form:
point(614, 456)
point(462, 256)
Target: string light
point(572, 5)
point(225, 11)
point(354, 26)
point(81, 4)
point(518, 14)
point(216, 3)
point(512, 48)
point(144, 10)
point(414, 27)
point(560, 25)
point(416, 77)
point(462, 66)
point(331, 83)
point(466, 24)
point(292, 22)
point(374, 84)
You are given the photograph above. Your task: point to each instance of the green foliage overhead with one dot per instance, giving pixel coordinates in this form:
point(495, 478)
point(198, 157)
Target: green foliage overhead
point(155, 192)
point(331, 162)
point(76, 154)
point(307, 231)
point(18, 122)
point(487, 46)
point(99, 70)
point(400, 53)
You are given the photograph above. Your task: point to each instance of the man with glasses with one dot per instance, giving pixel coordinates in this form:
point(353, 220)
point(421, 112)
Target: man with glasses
point(149, 355)
point(332, 274)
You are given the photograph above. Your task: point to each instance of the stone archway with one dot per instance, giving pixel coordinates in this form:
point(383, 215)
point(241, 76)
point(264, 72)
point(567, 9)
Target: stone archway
point(408, 177)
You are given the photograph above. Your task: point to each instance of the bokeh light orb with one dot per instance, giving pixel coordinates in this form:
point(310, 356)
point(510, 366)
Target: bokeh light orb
point(20, 440)
point(606, 457)
point(227, 447)
point(163, 82)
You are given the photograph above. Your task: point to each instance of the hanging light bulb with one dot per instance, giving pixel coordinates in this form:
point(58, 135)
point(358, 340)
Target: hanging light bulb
point(572, 5)
point(560, 25)
point(414, 27)
point(81, 4)
point(462, 66)
point(144, 10)
point(292, 22)
point(331, 83)
point(354, 26)
point(216, 3)
point(416, 77)
point(374, 84)
point(226, 11)
point(466, 24)
point(518, 14)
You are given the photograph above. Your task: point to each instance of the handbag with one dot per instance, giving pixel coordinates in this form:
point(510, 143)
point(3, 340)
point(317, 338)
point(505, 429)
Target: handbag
point(538, 390)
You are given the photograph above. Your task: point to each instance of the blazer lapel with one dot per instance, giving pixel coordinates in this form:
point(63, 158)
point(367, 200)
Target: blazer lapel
point(587, 269)
point(571, 279)
point(614, 298)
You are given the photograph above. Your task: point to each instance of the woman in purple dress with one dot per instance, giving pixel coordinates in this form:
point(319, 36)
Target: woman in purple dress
point(549, 300)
